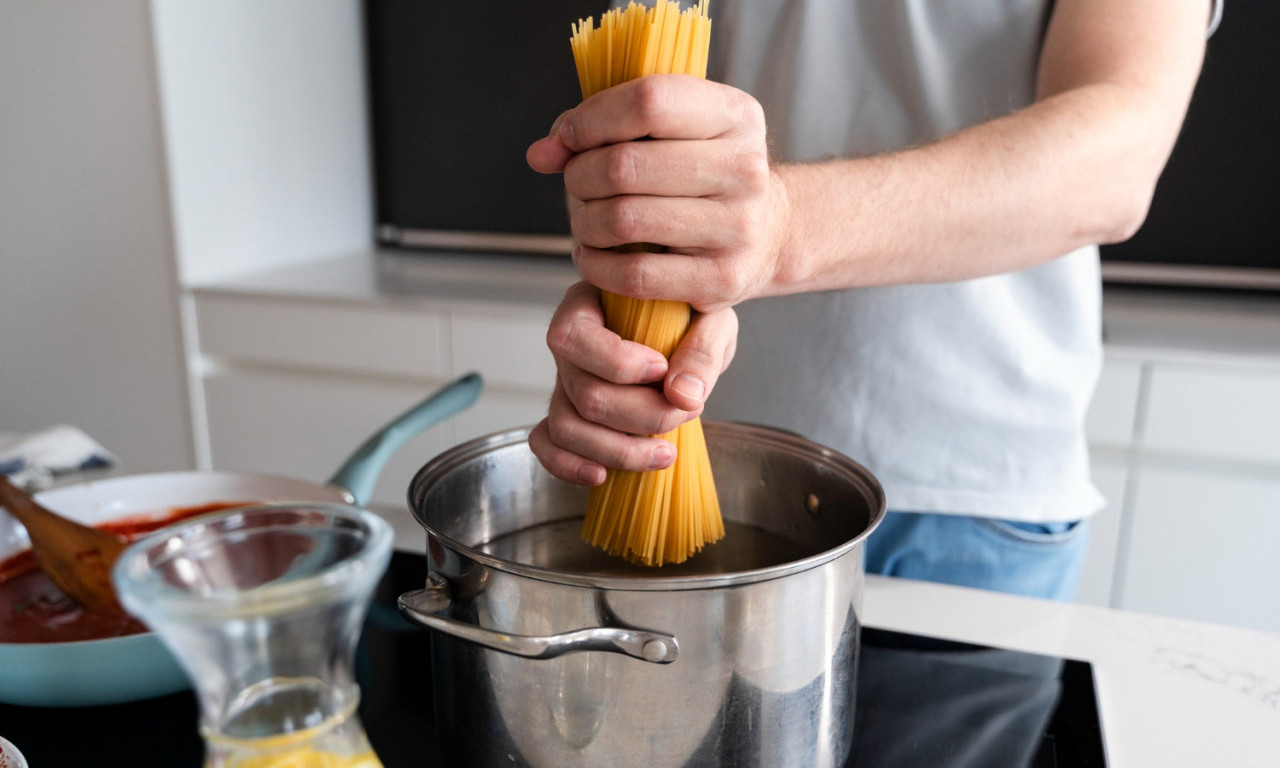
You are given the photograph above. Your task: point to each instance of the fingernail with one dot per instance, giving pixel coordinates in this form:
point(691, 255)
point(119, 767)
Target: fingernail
point(590, 474)
point(689, 386)
point(555, 127)
point(653, 372)
point(565, 130)
point(663, 456)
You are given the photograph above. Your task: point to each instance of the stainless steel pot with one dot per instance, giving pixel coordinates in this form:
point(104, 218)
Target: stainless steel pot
point(551, 653)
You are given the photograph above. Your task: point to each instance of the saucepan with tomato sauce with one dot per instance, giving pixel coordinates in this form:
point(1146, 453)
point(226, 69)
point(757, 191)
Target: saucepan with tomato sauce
point(54, 653)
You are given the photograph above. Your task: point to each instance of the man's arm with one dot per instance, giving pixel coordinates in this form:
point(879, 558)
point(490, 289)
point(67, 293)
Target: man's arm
point(1076, 167)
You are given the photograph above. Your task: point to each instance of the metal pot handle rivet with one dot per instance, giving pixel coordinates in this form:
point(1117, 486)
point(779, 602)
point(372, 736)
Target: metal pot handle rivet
point(423, 606)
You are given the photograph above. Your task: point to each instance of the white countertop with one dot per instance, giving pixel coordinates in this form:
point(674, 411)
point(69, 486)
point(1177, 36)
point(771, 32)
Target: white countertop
point(1181, 324)
point(406, 278)
point(1171, 692)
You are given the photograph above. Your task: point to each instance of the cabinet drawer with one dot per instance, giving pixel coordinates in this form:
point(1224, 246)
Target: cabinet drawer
point(1114, 407)
point(306, 426)
point(323, 335)
point(1221, 413)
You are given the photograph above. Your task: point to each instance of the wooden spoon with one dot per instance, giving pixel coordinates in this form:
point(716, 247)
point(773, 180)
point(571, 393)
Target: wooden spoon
point(77, 558)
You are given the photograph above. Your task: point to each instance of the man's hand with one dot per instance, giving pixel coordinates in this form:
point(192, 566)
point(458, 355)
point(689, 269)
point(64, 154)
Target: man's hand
point(598, 416)
point(682, 162)
point(673, 160)
point(678, 161)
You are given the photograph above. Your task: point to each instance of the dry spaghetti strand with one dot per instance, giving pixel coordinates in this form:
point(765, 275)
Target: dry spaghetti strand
point(667, 515)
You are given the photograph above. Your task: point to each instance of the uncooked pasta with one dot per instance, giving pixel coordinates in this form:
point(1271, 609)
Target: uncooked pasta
point(659, 516)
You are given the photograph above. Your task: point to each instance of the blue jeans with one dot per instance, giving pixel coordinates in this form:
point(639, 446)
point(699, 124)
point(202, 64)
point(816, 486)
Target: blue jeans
point(1033, 559)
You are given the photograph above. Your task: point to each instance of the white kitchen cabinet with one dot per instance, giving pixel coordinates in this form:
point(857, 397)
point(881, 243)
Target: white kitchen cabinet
point(366, 339)
point(1228, 412)
point(299, 424)
point(1204, 515)
point(298, 366)
point(510, 348)
point(1204, 543)
point(1200, 513)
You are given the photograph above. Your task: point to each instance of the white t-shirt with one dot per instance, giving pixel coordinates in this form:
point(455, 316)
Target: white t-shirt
point(963, 398)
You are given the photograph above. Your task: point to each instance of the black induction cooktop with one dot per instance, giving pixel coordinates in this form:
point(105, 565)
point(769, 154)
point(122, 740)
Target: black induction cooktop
point(921, 702)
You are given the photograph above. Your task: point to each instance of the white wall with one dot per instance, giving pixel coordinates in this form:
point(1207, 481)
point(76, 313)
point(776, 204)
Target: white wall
point(89, 329)
point(265, 124)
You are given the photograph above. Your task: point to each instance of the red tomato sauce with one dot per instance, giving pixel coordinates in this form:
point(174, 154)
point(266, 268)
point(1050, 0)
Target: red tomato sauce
point(34, 610)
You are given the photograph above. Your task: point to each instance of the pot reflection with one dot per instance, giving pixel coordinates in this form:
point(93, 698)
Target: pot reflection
point(951, 705)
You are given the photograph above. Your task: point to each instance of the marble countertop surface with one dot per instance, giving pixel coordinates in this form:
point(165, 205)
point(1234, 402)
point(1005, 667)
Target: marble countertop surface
point(1171, 692)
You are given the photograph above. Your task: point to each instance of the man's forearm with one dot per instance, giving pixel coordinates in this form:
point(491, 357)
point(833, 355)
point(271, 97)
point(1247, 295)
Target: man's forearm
point(1075, 168)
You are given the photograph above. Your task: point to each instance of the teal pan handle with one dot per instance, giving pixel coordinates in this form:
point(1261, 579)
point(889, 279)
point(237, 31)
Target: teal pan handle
point(360, 472)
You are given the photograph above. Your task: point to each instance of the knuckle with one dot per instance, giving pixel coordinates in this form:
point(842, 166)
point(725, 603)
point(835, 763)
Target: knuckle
point(634, 280)
point(621, 168)
point(559, 432)
point(755, 171)
point(564, 334)
point(726, 281)
point(649, 101)
point(592, 404)
point(700, 356)
point(558, 338)
point(621, 219)
point(627, 456)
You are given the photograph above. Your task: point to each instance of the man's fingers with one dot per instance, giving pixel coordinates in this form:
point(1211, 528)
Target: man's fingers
point(549, 154)
point(577, 336)
point(664, 167)
point(660, 107)
point(704, 354)
point(572, 447)
point(562, 463)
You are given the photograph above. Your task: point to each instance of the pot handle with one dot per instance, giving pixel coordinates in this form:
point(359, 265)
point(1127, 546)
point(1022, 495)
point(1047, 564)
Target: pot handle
point(360, 472)
point(422, 606)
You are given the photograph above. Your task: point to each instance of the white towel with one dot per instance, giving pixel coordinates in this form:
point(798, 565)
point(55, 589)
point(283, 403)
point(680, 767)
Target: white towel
point(33, 460)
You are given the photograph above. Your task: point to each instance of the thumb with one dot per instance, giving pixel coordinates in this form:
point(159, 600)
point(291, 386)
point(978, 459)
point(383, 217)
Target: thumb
point(549, 154)
point(703, 354)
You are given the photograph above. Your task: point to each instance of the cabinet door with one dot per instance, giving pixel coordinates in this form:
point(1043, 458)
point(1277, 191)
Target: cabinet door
point(509, 348)
point(305, 426)
point(498, 411)
point(1218, 412)
point(1204, 546)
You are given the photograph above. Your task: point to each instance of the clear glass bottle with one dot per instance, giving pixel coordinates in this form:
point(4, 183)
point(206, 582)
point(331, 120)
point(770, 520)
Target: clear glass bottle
point(263, 607)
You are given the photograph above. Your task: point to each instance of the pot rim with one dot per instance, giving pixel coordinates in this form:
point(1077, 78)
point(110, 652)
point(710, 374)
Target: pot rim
point(779, 440)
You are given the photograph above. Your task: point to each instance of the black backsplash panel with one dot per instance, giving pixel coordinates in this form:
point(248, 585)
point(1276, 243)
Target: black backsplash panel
point(1218, 202)
point(458, 91)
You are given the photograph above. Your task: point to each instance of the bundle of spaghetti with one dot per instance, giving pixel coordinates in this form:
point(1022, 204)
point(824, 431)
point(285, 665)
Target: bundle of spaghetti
point(658, 516)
